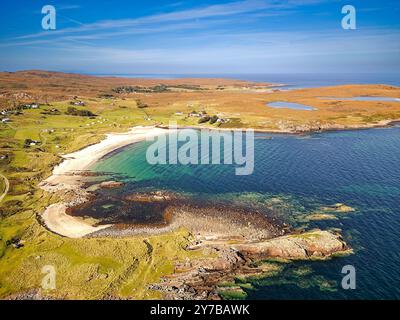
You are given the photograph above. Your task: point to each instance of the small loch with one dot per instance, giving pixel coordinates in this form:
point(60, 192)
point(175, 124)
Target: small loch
point(289, 105)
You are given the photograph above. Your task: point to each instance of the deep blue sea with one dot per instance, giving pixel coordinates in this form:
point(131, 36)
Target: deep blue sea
point(296, 175)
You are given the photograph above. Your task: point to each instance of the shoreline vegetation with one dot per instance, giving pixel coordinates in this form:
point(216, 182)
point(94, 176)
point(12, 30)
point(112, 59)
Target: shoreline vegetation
point(148, 265)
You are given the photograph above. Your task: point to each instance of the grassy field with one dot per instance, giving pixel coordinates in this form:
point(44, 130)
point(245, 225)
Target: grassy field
point(103, 268)
point(86, 268)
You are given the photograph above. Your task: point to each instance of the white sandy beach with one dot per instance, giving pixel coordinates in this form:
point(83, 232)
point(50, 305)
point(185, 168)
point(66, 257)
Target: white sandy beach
point(63, 175)
point(66, 177)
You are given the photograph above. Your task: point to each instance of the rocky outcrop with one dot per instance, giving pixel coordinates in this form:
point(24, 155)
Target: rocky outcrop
point(199, 279)
point(314, 244)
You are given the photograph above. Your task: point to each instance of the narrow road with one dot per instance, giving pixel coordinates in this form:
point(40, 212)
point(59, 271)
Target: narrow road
point(43, 139)
point(7, 184)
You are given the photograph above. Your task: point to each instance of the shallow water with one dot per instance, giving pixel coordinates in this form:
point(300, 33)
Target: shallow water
point(296, 175)
point(289, 105)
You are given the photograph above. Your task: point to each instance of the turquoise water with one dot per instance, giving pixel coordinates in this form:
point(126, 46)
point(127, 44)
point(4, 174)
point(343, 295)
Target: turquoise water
point(289, 105)
point(296, 175)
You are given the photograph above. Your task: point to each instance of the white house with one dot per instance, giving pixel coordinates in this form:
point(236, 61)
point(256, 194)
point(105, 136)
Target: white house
point(78, 103)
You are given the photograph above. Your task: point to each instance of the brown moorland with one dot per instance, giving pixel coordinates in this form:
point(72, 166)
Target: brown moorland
point(244, 103)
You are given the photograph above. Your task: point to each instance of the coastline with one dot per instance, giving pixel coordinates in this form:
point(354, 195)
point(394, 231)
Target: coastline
point(330, 128)
point(81, 160)
point(66, 177)
point(234, 243)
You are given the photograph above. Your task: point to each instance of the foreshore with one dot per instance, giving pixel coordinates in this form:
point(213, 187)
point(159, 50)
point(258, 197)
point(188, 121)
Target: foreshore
point(67, 177)
point(304, 129)
point(233, 240)
point(63, 174)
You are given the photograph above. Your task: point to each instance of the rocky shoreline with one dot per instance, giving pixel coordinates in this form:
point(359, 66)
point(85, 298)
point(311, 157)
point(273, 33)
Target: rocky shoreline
point(289, 127)
point(202, 279)
point(235, 240)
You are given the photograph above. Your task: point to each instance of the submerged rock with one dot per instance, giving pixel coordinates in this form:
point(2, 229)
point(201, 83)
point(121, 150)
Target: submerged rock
point(111, 184)
point(338, 207)
point(320, 217)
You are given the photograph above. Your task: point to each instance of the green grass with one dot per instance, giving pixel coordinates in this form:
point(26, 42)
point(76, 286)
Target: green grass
point(233, 294)
point(86, 268)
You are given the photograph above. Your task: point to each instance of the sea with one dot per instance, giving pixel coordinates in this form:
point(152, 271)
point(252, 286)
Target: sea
point(295, 175)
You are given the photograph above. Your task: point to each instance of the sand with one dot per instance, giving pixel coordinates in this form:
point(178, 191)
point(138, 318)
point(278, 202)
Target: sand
point(59, 222)
point(66, 177)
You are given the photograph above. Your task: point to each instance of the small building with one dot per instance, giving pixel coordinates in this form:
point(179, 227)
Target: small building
point(220, 120)
point(31, 143)
point(78, 103)
point(34, 143)
point(31, 106)
point(194, 114)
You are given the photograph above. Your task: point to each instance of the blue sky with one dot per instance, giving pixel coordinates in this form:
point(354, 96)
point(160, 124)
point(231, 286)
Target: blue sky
point(254, 36)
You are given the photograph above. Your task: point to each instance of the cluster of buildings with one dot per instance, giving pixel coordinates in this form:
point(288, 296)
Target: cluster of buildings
point(30, 106)
point(195, 114)
point(4, 118)
point(16, 111)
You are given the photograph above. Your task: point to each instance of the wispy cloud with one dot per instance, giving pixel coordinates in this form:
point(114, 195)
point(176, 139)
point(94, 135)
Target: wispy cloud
point(69, 7)
point(209, 12)
point(247, 35)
